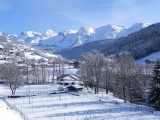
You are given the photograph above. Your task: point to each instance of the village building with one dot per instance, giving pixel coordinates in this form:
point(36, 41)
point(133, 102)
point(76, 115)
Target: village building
point(71, 82)
point(75, 88)
point(149, 62)
point(1, 47)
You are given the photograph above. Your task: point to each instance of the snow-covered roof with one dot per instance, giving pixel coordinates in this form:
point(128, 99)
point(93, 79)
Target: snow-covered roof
point(3, 61)
point(76, 86)
point(1, 47)
point(76, 82)
point(69, 77)
point(75, 77)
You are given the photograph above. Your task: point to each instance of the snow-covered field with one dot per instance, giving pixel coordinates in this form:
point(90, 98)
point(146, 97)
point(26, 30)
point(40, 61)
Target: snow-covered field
point(34, 90)
point(85, 106)
point(8, 114)
point(43, 105)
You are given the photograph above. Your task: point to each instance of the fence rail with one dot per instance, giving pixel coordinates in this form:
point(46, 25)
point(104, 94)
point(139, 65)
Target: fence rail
point(16, 109)
point(88, 115)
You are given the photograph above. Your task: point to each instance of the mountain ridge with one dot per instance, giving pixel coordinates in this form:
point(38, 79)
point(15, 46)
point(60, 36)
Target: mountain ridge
point(139, 44)
point(52, 41)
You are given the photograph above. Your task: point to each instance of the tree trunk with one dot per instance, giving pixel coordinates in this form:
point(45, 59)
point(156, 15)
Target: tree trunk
point(124, 93)
point(13, 90)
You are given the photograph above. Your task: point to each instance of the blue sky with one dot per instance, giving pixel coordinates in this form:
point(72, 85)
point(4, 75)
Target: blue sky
point(59, 15)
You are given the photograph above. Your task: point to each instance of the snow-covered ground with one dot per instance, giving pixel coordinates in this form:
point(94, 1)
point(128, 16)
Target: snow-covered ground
point(151, 57)
point(8, 114)
point(42, 105)
point(85, 106)
point(70, 71)
point(29, 55)
point(66, 106)
point(34, 90)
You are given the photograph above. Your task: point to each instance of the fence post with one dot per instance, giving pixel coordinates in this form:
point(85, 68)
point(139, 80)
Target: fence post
point(64, 116)
point(16, 109)
point(77, 115)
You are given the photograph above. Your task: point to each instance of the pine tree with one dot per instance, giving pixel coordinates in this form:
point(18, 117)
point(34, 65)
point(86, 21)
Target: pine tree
point(154, 97)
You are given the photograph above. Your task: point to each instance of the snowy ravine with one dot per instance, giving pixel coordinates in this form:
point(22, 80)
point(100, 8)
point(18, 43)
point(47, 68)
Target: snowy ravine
point(8, 114)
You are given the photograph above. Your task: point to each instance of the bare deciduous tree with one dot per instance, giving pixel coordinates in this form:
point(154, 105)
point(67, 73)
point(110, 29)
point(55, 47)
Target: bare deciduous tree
point(92, 65)
point(13, 75)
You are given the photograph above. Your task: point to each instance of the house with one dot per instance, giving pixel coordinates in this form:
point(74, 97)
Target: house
point(1, 47)
point(2, 81)
point(71, 81)
point(67, 77)
point(75, 64)
point(2, 57)
point(75, 88)
point(149, 62)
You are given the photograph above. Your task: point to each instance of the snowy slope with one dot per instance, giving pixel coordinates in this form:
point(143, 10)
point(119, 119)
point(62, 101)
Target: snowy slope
point(151, 57)
point(13, 51)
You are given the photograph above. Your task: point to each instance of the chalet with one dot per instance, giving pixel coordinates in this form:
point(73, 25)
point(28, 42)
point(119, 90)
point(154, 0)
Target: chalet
point(149, 62)
point(70, 80)
point(75, 64)
point(1, 47)
point(8, 58)
point(67, 77)
point(75, 88)
point(2, 57)
point(20, 61)
point(2, 81)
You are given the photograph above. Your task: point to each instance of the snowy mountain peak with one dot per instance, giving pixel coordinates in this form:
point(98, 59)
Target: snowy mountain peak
point(26, 35)
point(50, 40)
point(86, 30)
point(32, 33)
point(70, 31)
point(12, 37)
point(48, 34)
point(134, 28)
point(3, 34)
point(116, 28)
point(107, 32)
point(140, 25)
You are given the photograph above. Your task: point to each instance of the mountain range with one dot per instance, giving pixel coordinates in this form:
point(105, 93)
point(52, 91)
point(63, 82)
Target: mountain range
point(139, 44)
point(52, 41)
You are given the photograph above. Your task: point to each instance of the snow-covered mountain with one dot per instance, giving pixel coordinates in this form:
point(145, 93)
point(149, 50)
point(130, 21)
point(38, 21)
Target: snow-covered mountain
point(50, 40)
point(134, 28)
point(48, 34)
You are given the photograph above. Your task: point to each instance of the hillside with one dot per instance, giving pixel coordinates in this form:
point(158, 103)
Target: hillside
point(139, 44)
point(16, 52)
